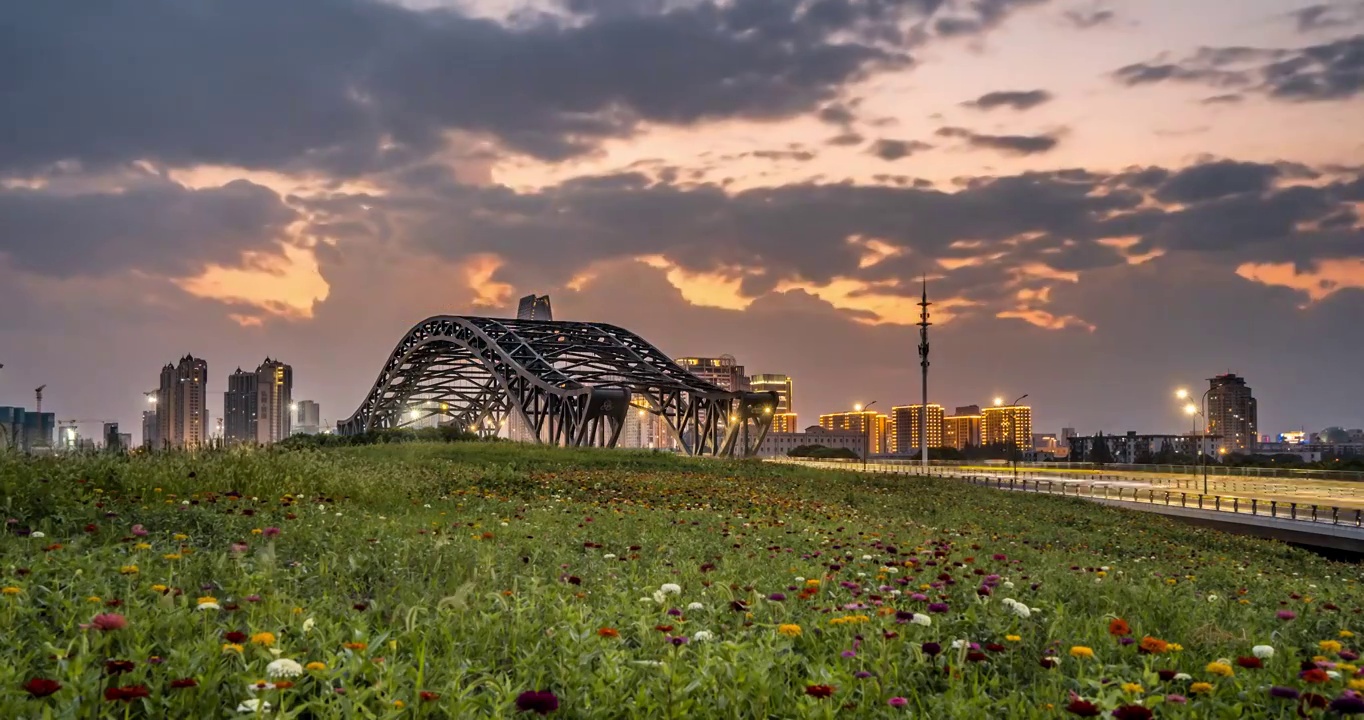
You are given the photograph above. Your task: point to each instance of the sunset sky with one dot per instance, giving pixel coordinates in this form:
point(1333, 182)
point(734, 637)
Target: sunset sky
point(1110, 198)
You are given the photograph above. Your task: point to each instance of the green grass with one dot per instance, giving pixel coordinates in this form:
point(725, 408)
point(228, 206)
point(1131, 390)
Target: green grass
point(477, 572)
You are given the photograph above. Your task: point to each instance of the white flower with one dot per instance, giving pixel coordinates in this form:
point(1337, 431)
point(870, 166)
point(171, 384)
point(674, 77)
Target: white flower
point(670, 589)
point(696, 606)
point(1333, 674)
point(308, 624)
point(260, 686)
point(184, 502)
point(703, 636)
point(504, 524)
point(37, 534)
point(253, 705)
point(1036, 610)
point(958, 644)
point(609, 556)
point(1183, 676)
point(209, 606)
point(659, 596)
point(1264, 652)
point(861, 574)
point(866, 557)
point(1052, 658)
point(1213, 598)
point(800, 579)
point(921, 619)
point(1008, 584)
point(283, 667)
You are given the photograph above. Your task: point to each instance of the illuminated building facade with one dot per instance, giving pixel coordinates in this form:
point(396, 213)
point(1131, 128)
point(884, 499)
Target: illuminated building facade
point(1232, 413)
point(1008, 425)
point(724, 371)
point(182, 404)
point(533, 307)
point(905, 435)
point(961, 431)
point(784, 418)
point(274, 394)
point(870, 424)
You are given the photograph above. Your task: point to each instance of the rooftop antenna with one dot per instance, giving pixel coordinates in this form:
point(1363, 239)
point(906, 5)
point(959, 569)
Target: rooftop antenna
point(923, 362)
point(39, 392)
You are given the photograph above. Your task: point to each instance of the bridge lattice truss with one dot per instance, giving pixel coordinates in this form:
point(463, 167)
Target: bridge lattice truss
point(565, 383)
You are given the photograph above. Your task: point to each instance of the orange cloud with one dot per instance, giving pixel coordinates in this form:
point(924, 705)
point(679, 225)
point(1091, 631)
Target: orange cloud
point(874, 302)
point(1044, 319)
point(285, 285)
point(873, 250)
point(1327, 277)
point(721, 288)
point(478, 273)
point(1121, 244)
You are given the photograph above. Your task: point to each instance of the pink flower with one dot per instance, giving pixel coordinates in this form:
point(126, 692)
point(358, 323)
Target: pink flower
point(239, 547)
point(270, 532)
point(1286, 614)
point(897, 702)
point(139, 531)
point(109, 621)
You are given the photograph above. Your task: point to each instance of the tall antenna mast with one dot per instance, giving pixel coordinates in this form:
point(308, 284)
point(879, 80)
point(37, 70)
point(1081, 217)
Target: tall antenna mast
point(923, 362)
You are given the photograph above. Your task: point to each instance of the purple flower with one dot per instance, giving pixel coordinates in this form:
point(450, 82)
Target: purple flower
point(270, 532)
point(1286, 615)
point(849, 653)
point(897, 702)
point(861, 674)
point(937, 607)
point(1286, 693)
point(1348, 705)
point(918, 597)
point(776, 597)
point(677, 640)
point(931, 649)
point(1126, 641)
point(139, 531)
point(1176, 699)
point(543, 702)
point(674, 612)
point(1348, 655)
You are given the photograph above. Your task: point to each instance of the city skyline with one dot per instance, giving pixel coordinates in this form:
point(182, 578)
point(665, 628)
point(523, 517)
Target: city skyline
point(1110, 198)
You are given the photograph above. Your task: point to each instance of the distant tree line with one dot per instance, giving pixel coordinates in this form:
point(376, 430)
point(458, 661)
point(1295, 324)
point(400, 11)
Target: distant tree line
point(444, 433)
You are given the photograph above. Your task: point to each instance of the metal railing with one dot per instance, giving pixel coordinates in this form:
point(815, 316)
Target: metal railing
point(1095, 488)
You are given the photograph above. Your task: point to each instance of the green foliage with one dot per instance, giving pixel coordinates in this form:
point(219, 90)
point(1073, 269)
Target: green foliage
point(476, 571)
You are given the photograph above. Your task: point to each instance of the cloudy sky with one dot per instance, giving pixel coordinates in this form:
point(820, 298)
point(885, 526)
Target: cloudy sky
point(1110, 198)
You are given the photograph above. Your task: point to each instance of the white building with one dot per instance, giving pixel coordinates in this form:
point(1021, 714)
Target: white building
point(781, 444)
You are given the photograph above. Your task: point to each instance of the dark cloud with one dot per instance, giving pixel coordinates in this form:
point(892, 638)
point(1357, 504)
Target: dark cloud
point(1328, 16)
point(1016, 99)
point(1009, 144)
point(837, 114)
point(981, 16)
point(1329, 71)
point(1086, 19)
point(888, 149)
point(847, 138)
point(1214, 180)
point(1225, 99)
point(154, 226)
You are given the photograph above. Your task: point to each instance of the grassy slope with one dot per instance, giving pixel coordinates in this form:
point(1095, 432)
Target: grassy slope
point(479, 610)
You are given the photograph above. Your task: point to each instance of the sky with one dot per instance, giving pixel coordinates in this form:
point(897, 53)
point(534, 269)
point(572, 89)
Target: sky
point(1110, 199)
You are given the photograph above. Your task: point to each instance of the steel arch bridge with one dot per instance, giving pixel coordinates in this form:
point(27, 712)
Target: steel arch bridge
point(562, 383)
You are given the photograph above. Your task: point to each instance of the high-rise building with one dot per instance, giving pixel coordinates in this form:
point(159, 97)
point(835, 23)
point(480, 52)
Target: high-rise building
point(240, 408)
point(307, 418)
point(274, 395)
point(906, 437)
point(125, 442)
point(784, 417)
point(532, 307)
point(644, 430)
point(182, 404)
point(871, 424)
point(723, 371)
point(113, 439)
point(151, 435)
point(1232, 413)
point(962, 430)
point(1008, 425)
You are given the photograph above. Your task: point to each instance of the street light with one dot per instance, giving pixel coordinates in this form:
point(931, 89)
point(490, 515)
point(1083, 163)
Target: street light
point(1013, 435)
point(1191, 410)
point(866, 425)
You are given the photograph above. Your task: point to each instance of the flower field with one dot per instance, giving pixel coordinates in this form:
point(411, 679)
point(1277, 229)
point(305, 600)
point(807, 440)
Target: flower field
point(487, 580)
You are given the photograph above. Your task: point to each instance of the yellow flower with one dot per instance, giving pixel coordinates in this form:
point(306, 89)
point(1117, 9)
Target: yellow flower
point(1356, 684)
point(171, 556)
point(1347, 668)
point(812, 582)
point(1174, 647)
point(263, 638)
point(1132, 688)
point(1170, 581)
point(179, 537)
point(207, 599)
point(94, 599)
point(142, 546)
point(1012, 638)
point(11, 590)
point(232, 648)
point(128, 570)
point(1330, 646)
point(789, 630)
point(255, 531)
point(1217, 668)
point(1080, 651)
point(315, 666)
point(159, 588)
point(1346, 634)
point(1200, 688)
point(1320, 659)
point(298, 611)
point(1101, 573)
point(399, 704)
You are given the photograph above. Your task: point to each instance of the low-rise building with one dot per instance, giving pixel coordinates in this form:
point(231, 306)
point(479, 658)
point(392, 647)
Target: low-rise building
point(781, 444)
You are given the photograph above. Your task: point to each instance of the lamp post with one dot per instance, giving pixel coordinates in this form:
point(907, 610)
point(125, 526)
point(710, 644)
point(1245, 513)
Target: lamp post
point(866, 426)
point(1013, 433)
point(1191, 410)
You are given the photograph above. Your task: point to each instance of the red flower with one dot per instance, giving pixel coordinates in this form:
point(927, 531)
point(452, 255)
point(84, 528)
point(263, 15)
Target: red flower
point(1119, 628)
point(1252, 663)
point(1166, 675)
point(41, 687)
point(183, 683)
point(664, 628)
point(976, 656)
point(428, 696)
point(995, 647)
point(126, 694)
point(1083, 708)
point(819, 691)
point(1315, 675)
point(235, 637)
point(117, 667)
point(1132, 712)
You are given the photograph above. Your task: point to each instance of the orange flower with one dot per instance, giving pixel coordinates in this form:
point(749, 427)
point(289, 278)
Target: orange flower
point(1118, 627)
point(355, 646)
point(608, 632)
point(1155, 646)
